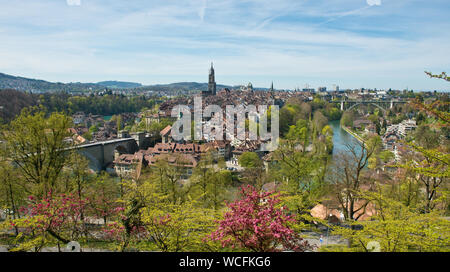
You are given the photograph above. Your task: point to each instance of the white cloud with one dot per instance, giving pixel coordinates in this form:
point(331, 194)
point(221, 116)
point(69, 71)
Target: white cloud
point(374, 2)
point(73, 2)
point(247, 40)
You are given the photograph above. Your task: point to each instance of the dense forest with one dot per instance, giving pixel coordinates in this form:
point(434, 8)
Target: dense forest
point(14, 101)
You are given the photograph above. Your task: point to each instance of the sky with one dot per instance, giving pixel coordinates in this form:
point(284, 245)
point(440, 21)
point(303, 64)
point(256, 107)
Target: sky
point(351, 43)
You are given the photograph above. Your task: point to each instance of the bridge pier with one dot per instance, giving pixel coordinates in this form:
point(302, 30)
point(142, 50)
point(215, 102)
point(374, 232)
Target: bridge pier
point(392, 104)
point(342, 105)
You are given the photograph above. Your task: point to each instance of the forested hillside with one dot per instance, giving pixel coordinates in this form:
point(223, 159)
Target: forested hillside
point(12, 102)
point(34, 85)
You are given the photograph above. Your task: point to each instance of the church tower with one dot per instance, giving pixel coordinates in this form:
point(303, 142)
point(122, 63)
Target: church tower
point(271, 95)
point(211, 81)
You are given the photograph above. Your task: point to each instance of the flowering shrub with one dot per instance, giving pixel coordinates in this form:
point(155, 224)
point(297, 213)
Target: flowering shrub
point(57, 216)
point(254, 222)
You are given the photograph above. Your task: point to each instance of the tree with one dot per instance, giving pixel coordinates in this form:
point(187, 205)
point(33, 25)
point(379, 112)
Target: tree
point(37, 146)
point(175, 228)
point(347, 119)
point(300, 175)
point(128, 224)
point(431, 160)
point(405, 188)
point(305, 110)
point(300, 133)
point(219, 183)
point(49, 219)
point(332, 113)
point(328, 133)
point(103, 194)
point(169, 178)
point(254, 173)
point(80, 174)
point(348, 181)
point(12, 193)
point(320, 121)
point(256, 223)
point(425, 137)
point(398, 228)
point(250, 159)
point(210, 182)
point(373, 118)
point(148, 220)
point(202, 176)
point(287, 114)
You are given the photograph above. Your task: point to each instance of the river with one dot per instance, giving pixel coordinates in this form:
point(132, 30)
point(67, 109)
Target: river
point(341, 138)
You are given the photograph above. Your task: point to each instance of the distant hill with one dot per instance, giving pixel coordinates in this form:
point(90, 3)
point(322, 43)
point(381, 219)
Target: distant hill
point(119, 84)
point(35, 85)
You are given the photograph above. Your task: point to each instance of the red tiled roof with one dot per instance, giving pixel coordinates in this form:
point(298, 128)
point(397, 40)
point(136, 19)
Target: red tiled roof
point(166, 130)
point(183, 160)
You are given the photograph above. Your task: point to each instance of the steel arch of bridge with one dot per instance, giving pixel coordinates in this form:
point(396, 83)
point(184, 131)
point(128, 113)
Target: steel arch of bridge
point(375, 104)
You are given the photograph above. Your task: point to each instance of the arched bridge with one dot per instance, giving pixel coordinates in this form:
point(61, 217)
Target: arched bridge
point(101, 154)
point(383, 105)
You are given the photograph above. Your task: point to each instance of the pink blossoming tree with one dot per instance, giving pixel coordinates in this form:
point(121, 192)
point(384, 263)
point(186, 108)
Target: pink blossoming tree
point(48, 219)
point(256, 223)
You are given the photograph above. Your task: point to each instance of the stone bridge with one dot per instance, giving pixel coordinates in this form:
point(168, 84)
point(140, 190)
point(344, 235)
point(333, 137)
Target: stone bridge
point(101, 154)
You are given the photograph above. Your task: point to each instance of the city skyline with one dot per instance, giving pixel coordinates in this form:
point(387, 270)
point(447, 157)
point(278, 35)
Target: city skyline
point(354, 43)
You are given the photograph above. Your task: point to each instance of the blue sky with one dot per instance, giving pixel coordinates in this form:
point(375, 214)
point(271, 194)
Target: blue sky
point(351, 43)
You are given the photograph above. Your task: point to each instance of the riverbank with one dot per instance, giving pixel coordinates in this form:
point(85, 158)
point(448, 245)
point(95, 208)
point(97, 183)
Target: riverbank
point(356, 136)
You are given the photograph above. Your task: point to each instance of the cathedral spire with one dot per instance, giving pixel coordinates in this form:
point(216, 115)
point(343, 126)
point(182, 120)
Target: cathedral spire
point(211, 82)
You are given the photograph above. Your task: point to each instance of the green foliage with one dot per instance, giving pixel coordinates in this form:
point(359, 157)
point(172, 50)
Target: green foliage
point(296, 110)
point(150, 220)
point(347, 119)
point(426, 137)
point(175, 228)
point(102, 105)
point(386, 156)
point(338, 248)
point(87, 136)
point(103, 193)
point(443, 76)
point(93, 129)
point(332, 113)
point(299, 132)
point(37, 145)
point(250, 160)
point(431, 161)
point(397, 228)
point(319, 120)
point(12, 193)
point(209, 183)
